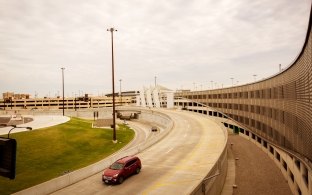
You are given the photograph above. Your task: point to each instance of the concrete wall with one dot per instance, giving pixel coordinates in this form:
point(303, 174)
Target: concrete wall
point(214, 181)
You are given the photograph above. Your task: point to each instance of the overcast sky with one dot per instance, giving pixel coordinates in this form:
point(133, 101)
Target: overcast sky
point(181, 42)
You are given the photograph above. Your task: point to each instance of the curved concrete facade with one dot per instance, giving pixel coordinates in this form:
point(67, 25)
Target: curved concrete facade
point(278, 109)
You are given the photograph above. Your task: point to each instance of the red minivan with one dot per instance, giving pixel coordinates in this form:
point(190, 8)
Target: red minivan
point(121, 169)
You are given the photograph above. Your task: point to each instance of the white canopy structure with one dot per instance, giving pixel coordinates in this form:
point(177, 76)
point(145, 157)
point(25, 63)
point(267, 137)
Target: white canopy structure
point(157, 97)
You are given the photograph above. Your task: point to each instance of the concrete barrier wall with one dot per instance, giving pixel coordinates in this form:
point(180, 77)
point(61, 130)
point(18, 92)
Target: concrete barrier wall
point(78, 175)
point(160, 120)
point(214, 181)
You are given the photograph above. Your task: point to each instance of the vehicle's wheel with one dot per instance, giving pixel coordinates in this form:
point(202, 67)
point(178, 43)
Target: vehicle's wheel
point(120, 179)
point(137, 171)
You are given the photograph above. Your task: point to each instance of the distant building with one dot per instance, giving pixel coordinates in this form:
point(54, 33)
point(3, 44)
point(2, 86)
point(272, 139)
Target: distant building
point(131, 94)
point(11, 96)
point(158, 97)
point(183, 90)
point(46, 103)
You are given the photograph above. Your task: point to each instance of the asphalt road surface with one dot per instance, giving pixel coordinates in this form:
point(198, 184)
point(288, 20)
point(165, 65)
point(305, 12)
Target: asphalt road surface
point(175, 165)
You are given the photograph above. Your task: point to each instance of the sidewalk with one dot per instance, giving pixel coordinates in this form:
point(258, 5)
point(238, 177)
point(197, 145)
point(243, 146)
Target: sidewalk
point(37, 123)
point(255, 172)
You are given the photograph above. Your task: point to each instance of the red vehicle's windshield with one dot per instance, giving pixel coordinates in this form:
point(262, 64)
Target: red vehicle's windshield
point(116, 166)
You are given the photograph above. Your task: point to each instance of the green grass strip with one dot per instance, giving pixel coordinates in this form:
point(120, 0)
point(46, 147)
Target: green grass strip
point(48, 153)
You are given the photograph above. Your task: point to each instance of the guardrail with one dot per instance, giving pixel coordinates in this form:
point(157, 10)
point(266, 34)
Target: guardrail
point(78, 175)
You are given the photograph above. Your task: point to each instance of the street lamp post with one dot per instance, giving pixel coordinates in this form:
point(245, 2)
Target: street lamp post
point(113, 84)
point(232, 81)
point(75, 102)
point(255, 77)
point(14, 126)
point(63, 87)
point(120, 92)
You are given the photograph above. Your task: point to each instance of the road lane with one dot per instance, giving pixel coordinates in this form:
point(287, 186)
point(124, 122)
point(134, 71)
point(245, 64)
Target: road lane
point(141, 133)
point(175, 165)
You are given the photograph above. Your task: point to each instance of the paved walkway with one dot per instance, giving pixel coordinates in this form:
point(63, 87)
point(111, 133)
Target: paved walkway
point(255, 172)
point(37, 123)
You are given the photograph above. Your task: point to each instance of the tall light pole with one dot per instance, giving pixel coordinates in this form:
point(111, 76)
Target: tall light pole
point(120, 91)
point(232, 81)
point(75, 102)
point(155, 80)
point(113, 84)
point(63, 87)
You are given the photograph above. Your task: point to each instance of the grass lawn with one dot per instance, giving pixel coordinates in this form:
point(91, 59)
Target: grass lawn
point(48, 153)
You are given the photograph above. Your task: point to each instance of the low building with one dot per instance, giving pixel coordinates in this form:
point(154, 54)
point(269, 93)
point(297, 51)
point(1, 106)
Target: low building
point(11, 95)
point(69, 102)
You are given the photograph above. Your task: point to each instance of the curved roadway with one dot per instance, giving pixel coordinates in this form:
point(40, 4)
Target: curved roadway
point(175, 165)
